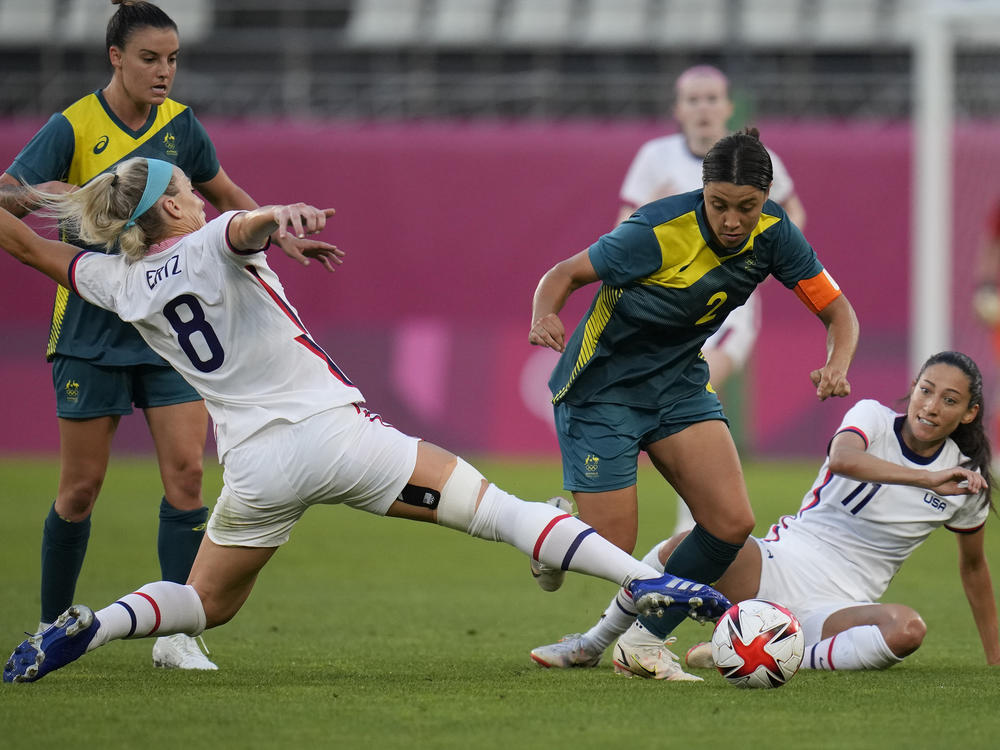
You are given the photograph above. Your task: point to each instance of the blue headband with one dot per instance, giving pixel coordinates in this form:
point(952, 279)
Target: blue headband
point(158, 176)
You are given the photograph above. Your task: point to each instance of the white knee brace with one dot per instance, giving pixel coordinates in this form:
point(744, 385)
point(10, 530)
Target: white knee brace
point(459, 496)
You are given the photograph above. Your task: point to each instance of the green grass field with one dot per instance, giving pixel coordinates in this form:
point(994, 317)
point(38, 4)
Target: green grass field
point(378, 633)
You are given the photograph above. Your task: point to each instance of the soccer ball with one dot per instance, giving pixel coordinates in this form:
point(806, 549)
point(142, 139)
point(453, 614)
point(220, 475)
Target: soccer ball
point(757, 644)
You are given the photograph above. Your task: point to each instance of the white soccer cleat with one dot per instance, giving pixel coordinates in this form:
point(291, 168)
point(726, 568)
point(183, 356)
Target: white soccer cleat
point(569, 651)
point(639, 653)
point(699, 656)
point(179, 651)
point(547, 577)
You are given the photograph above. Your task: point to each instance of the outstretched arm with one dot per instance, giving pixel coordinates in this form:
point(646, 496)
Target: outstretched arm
point(978, 585)
point(551, 294)
point(226, 195)
point(848, 458)
point(250, 230)
point(51, 257)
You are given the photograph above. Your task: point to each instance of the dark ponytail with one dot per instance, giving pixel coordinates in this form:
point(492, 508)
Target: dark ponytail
point(740, 159)
point(131, 16)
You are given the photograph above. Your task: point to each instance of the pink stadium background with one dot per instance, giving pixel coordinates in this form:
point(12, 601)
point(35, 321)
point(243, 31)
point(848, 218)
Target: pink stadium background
point(448, 228)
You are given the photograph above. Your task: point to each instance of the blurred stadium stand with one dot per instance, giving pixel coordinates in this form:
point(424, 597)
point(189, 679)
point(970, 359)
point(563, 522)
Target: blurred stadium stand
point(410, 59)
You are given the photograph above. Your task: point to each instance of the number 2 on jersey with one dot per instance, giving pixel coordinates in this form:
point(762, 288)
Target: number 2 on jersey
point(714, 303)
point(193, 323)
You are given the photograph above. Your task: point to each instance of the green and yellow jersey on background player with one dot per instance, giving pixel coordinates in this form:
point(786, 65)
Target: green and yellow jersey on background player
point(75, 146)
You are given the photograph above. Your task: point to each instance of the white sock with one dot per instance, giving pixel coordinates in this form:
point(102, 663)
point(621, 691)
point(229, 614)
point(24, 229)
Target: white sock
point(161, 608)
point(860, 647)
point(617, 618)
point(685, 521)
point(553, 537)
point(652, 558)
point(620, 614)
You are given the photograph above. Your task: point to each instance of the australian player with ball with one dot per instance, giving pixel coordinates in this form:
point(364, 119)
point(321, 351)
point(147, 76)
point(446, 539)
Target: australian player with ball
point(888, 481)
point(632, 376)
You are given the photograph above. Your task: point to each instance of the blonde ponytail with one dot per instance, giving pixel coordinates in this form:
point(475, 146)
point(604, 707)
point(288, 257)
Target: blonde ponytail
point(97, 213)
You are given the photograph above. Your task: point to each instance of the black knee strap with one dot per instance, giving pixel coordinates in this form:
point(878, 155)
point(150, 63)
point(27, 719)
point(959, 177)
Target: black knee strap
point(422, 497)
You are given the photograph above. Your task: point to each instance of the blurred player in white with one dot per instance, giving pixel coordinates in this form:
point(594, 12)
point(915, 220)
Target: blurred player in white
point(671, 164)
point(888, 481)
point(290, 427)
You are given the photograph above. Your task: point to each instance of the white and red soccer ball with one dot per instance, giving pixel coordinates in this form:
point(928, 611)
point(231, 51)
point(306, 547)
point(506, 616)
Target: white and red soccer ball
point(757, 644)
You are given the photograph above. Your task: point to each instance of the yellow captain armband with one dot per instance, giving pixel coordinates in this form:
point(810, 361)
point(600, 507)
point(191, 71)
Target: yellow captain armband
point(817, 292)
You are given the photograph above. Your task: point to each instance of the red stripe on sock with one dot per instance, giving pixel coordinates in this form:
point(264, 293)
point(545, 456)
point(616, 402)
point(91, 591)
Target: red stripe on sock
point(545, 532)
point(829, 653)
point(156, 611)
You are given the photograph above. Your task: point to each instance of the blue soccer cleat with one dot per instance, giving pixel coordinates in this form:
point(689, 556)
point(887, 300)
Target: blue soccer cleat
point(653, 596)
point(64, 641)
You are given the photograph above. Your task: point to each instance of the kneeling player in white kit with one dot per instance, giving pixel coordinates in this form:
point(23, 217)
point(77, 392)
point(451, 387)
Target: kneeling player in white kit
point(889, 480)
point(290, 427)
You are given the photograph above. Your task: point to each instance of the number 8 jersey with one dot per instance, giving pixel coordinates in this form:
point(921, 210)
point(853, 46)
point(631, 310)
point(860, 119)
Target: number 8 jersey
point(219, 316)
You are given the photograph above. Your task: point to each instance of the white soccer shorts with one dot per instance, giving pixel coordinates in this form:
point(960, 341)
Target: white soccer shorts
point(343, 455)
point(797, 576)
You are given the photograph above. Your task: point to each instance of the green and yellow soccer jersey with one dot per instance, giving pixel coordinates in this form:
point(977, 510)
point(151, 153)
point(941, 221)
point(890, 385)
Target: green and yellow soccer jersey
point(666, 287)
point(75, 146)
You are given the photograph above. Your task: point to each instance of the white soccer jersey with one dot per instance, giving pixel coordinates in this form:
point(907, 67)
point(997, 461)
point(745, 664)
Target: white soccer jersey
point(665, 166)
point(857, 534)
point(220, 317)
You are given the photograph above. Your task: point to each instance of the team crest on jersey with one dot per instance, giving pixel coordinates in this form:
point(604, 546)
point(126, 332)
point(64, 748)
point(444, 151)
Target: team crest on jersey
point(590, 465)
point(72, 389)
point(170, 144)
point(750, 261)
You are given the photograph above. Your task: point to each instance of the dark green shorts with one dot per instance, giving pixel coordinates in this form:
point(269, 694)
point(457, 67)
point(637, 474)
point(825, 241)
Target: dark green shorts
point(600, 443)
point(85, 390)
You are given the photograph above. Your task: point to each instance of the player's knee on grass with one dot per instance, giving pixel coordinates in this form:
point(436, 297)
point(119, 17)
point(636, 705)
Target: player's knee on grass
point(906, 632)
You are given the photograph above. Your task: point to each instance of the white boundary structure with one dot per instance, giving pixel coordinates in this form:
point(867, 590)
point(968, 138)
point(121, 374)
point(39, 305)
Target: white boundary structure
point(934, 42)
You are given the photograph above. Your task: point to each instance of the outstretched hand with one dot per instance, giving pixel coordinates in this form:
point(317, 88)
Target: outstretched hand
point(304, 249)
point(295, 222)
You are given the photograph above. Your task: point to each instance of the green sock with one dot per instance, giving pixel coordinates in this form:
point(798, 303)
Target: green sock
point(700, 557)
point(180, 536)
point(64, 545)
